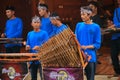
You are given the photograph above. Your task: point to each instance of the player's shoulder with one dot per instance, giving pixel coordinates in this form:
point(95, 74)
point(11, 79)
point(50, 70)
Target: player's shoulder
point(80, 23)
point(30, 32)
point(64, 26)
point(42, 31)
point(96, 25)
point(17, 18)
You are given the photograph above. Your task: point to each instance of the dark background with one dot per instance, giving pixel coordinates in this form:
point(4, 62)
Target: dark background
point(69, 11)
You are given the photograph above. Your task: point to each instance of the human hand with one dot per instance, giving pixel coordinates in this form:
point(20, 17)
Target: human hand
point(27, 47)
point(36, 48)
point(84, 47)
point(112, 27)
point(24, 43)
point(3, 35)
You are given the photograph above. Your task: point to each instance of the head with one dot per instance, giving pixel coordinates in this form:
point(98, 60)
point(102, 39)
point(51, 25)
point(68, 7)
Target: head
point(118, 3)
point(109, 22)
point(36, 22)
point(10, 11)
point(93, 5)
point(42, 9)
point(86, 13)
point(54, 18)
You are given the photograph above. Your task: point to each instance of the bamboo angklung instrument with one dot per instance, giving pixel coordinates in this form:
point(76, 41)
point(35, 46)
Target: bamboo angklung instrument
point(62, 50)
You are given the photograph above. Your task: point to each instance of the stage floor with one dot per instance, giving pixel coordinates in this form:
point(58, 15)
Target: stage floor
point(105, 68)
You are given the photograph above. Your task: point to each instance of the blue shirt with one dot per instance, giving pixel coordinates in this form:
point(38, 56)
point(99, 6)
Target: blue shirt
point(13, 29)
point(89, 34)
point(46, 25)
point(58, 29)
point(116, 21)
point(36, 39)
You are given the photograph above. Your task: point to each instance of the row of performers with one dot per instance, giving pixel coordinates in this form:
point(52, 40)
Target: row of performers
point(87, 33)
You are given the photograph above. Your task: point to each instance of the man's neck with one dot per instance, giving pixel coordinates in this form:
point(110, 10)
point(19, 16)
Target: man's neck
point(36, 30)
point(13, 17)
point(46, 15)
point(88, 22)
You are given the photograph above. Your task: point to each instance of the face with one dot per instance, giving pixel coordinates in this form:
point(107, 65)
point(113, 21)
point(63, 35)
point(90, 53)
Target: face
point(54, 21)
point(36, 25)
point(42, 12)
point(118, 2)
point(109, 22)
point(93, 7)
point(85, 17)
point(9, 13)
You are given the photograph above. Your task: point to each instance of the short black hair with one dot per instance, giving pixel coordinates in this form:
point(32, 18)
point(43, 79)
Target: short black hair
point(93, 3)
point(54, 15)
point(10, 8)
point(43, 5)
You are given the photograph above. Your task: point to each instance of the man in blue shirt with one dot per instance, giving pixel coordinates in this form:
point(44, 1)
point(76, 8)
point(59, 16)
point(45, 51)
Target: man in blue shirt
point(115, 43)
point(13, 29)
point(45, 20)
point(35, 39)
point(58, 25)
point(88, 35)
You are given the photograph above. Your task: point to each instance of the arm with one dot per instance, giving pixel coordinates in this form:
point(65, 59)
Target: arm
point(53, 31)
point(76, 31)
point(45, 38)
point(115, 19)
point(27, 43)
point(97, 38)
point(88, 47)
point(19, 29)
point(96, 41)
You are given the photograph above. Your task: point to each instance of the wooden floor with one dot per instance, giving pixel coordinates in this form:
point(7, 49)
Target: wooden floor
point(105, 68)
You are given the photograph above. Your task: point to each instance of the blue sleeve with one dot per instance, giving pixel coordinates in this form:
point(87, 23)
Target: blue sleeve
point(63, 28)
point(51, 26)
point(97, 38)
point(115, 18)
point(52, 34)
point(45, 39)
point(53, 31)
point(76, 30)
point(19, 29)
point(28, 42)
